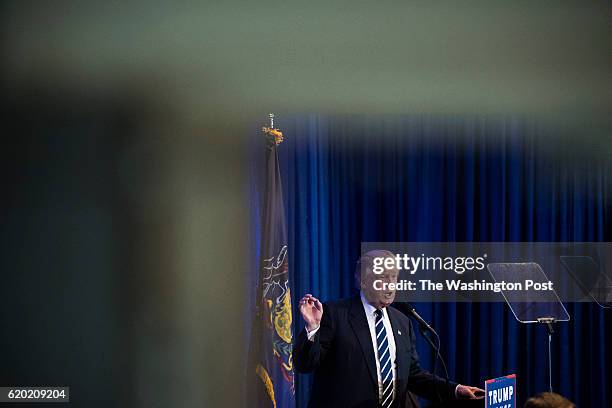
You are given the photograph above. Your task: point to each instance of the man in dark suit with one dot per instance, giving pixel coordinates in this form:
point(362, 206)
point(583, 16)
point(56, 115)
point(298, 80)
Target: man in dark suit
point(363, 352)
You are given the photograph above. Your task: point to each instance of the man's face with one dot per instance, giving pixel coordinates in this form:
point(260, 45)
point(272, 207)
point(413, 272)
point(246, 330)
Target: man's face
point(369, 281)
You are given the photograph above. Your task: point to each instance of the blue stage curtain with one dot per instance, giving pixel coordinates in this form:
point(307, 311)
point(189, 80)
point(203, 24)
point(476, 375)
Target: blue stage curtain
point(350, 179)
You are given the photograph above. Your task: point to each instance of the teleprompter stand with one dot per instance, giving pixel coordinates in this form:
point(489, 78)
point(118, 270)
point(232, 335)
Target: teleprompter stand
point(528, 304)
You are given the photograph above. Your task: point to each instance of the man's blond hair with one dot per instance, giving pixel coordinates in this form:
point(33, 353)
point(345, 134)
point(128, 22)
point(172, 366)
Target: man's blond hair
point(366, 261)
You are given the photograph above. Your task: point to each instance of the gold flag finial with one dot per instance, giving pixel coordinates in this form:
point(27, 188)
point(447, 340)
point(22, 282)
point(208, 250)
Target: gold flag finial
point(271, 131)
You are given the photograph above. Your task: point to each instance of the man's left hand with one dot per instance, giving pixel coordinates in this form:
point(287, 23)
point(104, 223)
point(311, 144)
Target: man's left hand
point(465, 391)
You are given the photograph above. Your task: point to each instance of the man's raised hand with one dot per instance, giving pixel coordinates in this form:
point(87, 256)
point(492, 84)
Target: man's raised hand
point(312, 311)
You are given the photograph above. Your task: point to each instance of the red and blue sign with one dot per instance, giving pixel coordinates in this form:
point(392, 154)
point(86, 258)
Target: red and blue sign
point(501, 392)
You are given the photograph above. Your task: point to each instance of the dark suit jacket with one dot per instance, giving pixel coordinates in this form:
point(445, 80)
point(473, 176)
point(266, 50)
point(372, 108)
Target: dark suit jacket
point(343, 360)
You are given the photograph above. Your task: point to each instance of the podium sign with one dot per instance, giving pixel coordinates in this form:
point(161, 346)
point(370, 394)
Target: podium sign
point(501, 392)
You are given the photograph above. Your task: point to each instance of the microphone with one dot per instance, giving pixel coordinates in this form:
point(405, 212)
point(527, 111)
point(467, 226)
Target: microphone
point(409, 309)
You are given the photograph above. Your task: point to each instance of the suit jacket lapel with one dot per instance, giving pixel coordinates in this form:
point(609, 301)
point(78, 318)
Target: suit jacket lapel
point(359, 323)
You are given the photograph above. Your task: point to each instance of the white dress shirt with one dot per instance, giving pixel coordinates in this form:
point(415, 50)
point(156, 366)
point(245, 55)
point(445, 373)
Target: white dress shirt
point(371, 316)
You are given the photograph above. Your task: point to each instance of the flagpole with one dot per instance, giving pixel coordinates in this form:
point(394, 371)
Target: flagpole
point(270, 358)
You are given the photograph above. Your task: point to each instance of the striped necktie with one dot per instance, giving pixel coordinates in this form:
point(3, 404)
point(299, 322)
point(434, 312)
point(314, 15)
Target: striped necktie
point(384, 357)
